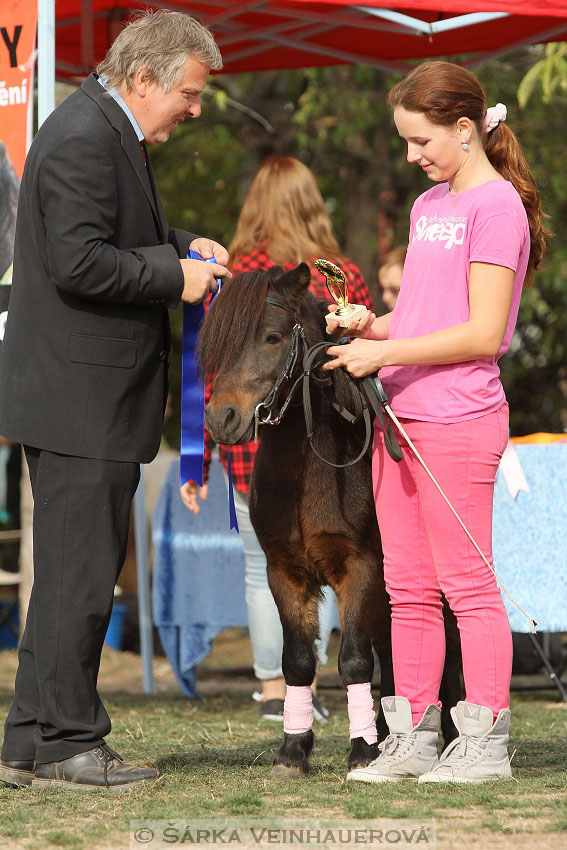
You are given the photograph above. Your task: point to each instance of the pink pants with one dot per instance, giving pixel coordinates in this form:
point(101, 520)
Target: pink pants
point(426, 551)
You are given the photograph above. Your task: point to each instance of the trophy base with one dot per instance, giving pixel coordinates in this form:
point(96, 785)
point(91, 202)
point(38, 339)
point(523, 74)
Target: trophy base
point(358, 310)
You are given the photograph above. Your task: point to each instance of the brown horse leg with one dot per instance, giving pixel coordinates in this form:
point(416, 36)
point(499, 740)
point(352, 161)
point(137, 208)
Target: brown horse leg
point(382, 642)
point(297, 607)
point(450, 691)
point(357, 593)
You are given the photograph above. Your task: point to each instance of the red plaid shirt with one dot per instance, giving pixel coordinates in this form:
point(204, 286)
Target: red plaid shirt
point(242, 456)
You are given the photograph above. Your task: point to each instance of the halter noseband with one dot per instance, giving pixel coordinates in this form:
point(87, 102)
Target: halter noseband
point(373, 393)
point(269, 403)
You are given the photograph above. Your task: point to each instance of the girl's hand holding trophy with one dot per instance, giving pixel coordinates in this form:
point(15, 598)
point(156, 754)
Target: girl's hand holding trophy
point(354, 317)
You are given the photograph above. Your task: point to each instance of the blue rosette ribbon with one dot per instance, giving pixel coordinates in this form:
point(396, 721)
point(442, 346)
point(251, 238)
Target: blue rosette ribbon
point(193, 400)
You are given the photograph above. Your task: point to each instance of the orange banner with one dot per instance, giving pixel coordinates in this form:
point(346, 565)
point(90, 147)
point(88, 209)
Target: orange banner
point(540, 437)
point(18, 20)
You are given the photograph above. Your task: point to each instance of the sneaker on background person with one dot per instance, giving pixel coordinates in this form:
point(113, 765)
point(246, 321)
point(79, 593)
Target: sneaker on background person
point(271, 709)
point(320, 711)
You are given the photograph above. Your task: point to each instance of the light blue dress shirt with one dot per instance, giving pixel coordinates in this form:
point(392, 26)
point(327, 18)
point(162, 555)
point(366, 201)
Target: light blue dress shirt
point(122, 104)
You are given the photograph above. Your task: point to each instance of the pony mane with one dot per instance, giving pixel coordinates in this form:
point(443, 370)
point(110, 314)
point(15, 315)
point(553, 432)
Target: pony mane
point(231, 319)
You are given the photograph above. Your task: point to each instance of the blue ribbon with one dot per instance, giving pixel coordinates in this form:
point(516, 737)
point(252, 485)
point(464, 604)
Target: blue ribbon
point(193, 400)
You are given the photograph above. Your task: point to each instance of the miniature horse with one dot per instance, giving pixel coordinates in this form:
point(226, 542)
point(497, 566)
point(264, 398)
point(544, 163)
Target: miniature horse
point(315, 522)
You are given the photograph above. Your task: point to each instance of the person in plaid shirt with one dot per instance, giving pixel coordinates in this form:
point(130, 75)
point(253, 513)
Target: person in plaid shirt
point(283, 222)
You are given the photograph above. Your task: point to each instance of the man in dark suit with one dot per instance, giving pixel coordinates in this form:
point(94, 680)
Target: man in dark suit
point(83, 375)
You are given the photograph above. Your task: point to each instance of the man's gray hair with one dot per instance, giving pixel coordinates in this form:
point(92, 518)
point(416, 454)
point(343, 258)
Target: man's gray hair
point(160, 42)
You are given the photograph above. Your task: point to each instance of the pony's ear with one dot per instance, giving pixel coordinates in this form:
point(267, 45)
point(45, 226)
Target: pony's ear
point(291, 286)
point(297, 279)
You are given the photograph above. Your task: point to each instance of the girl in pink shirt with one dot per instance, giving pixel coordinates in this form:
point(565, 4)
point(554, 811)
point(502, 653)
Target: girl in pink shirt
point(474, 239)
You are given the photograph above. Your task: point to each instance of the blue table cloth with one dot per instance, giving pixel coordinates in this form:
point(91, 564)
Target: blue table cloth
point(198, 572)
point(530, 539)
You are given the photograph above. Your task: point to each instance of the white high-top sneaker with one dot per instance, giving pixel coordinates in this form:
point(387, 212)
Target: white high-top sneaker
point(408, 751)
point(480, 752)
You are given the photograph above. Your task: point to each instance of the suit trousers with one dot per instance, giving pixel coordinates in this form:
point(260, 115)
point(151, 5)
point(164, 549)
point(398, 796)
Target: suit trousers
point(80, 528)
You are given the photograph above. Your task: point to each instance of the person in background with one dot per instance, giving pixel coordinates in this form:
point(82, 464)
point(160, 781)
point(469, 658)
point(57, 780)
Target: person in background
point(83, 376)
point(473, 240)
point(9, 188)
point(390, 276)
point(283, 222)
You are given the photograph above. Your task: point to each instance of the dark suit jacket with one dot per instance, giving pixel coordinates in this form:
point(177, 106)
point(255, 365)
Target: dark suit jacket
point(83, 369)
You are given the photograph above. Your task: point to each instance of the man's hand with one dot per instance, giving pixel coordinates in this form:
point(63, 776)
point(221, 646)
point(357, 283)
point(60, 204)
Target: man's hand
point(200, 278)
point(208, 248)
point(189, 495)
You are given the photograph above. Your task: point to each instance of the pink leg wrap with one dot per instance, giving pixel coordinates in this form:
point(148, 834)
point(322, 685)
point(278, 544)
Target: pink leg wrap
point(298, 709)
point(361, 713)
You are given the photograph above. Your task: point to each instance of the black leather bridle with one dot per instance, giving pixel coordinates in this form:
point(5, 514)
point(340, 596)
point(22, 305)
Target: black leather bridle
point(372, 393)
point(298, 342)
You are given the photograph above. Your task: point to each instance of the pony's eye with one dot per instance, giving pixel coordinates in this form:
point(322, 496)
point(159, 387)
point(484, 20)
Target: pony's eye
point(273, 338)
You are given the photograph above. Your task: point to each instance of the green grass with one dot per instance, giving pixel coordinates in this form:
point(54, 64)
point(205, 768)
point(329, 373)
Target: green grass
point(216, 756)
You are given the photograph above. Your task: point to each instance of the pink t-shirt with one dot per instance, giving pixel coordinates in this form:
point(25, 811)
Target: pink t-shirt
point(448, 232)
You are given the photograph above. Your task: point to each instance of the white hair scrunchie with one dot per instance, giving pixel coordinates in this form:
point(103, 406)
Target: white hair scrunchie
point(494, 115)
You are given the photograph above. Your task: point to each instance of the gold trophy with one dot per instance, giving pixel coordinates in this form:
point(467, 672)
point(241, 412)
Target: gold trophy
point(346, 313)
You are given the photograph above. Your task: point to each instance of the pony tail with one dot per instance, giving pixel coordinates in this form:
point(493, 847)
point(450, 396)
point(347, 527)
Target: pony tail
point(507, 157)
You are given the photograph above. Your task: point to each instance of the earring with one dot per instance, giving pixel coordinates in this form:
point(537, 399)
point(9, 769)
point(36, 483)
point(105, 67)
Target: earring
point(465, 145)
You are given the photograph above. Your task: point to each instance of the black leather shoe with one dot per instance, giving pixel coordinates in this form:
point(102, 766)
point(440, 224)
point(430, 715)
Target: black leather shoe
point(16, 773)
point(100, 767)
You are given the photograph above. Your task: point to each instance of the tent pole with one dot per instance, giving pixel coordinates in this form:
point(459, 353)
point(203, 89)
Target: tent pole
point(417, 26)
point(45, 59)
point(536, 38)
point(144, 593)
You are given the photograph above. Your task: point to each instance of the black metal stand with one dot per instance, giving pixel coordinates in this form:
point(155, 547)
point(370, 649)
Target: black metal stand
point(551, 671)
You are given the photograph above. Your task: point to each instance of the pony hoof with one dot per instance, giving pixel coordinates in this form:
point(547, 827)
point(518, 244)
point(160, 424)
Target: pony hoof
point(361, 753)
point(283, 771)
point(292, 759)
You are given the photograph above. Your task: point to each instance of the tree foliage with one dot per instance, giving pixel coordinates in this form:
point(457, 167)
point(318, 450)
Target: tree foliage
point(336, 121)
point(549, 72)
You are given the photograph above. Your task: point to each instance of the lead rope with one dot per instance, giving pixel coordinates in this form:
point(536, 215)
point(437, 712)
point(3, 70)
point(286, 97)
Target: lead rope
point(361, 402)
point(395, 420)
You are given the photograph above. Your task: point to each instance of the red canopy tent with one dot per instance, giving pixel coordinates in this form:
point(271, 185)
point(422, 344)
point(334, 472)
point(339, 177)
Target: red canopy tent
point(272, 34)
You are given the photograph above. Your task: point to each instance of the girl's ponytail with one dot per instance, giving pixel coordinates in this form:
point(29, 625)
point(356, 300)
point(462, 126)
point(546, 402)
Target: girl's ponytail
point(507, 157)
